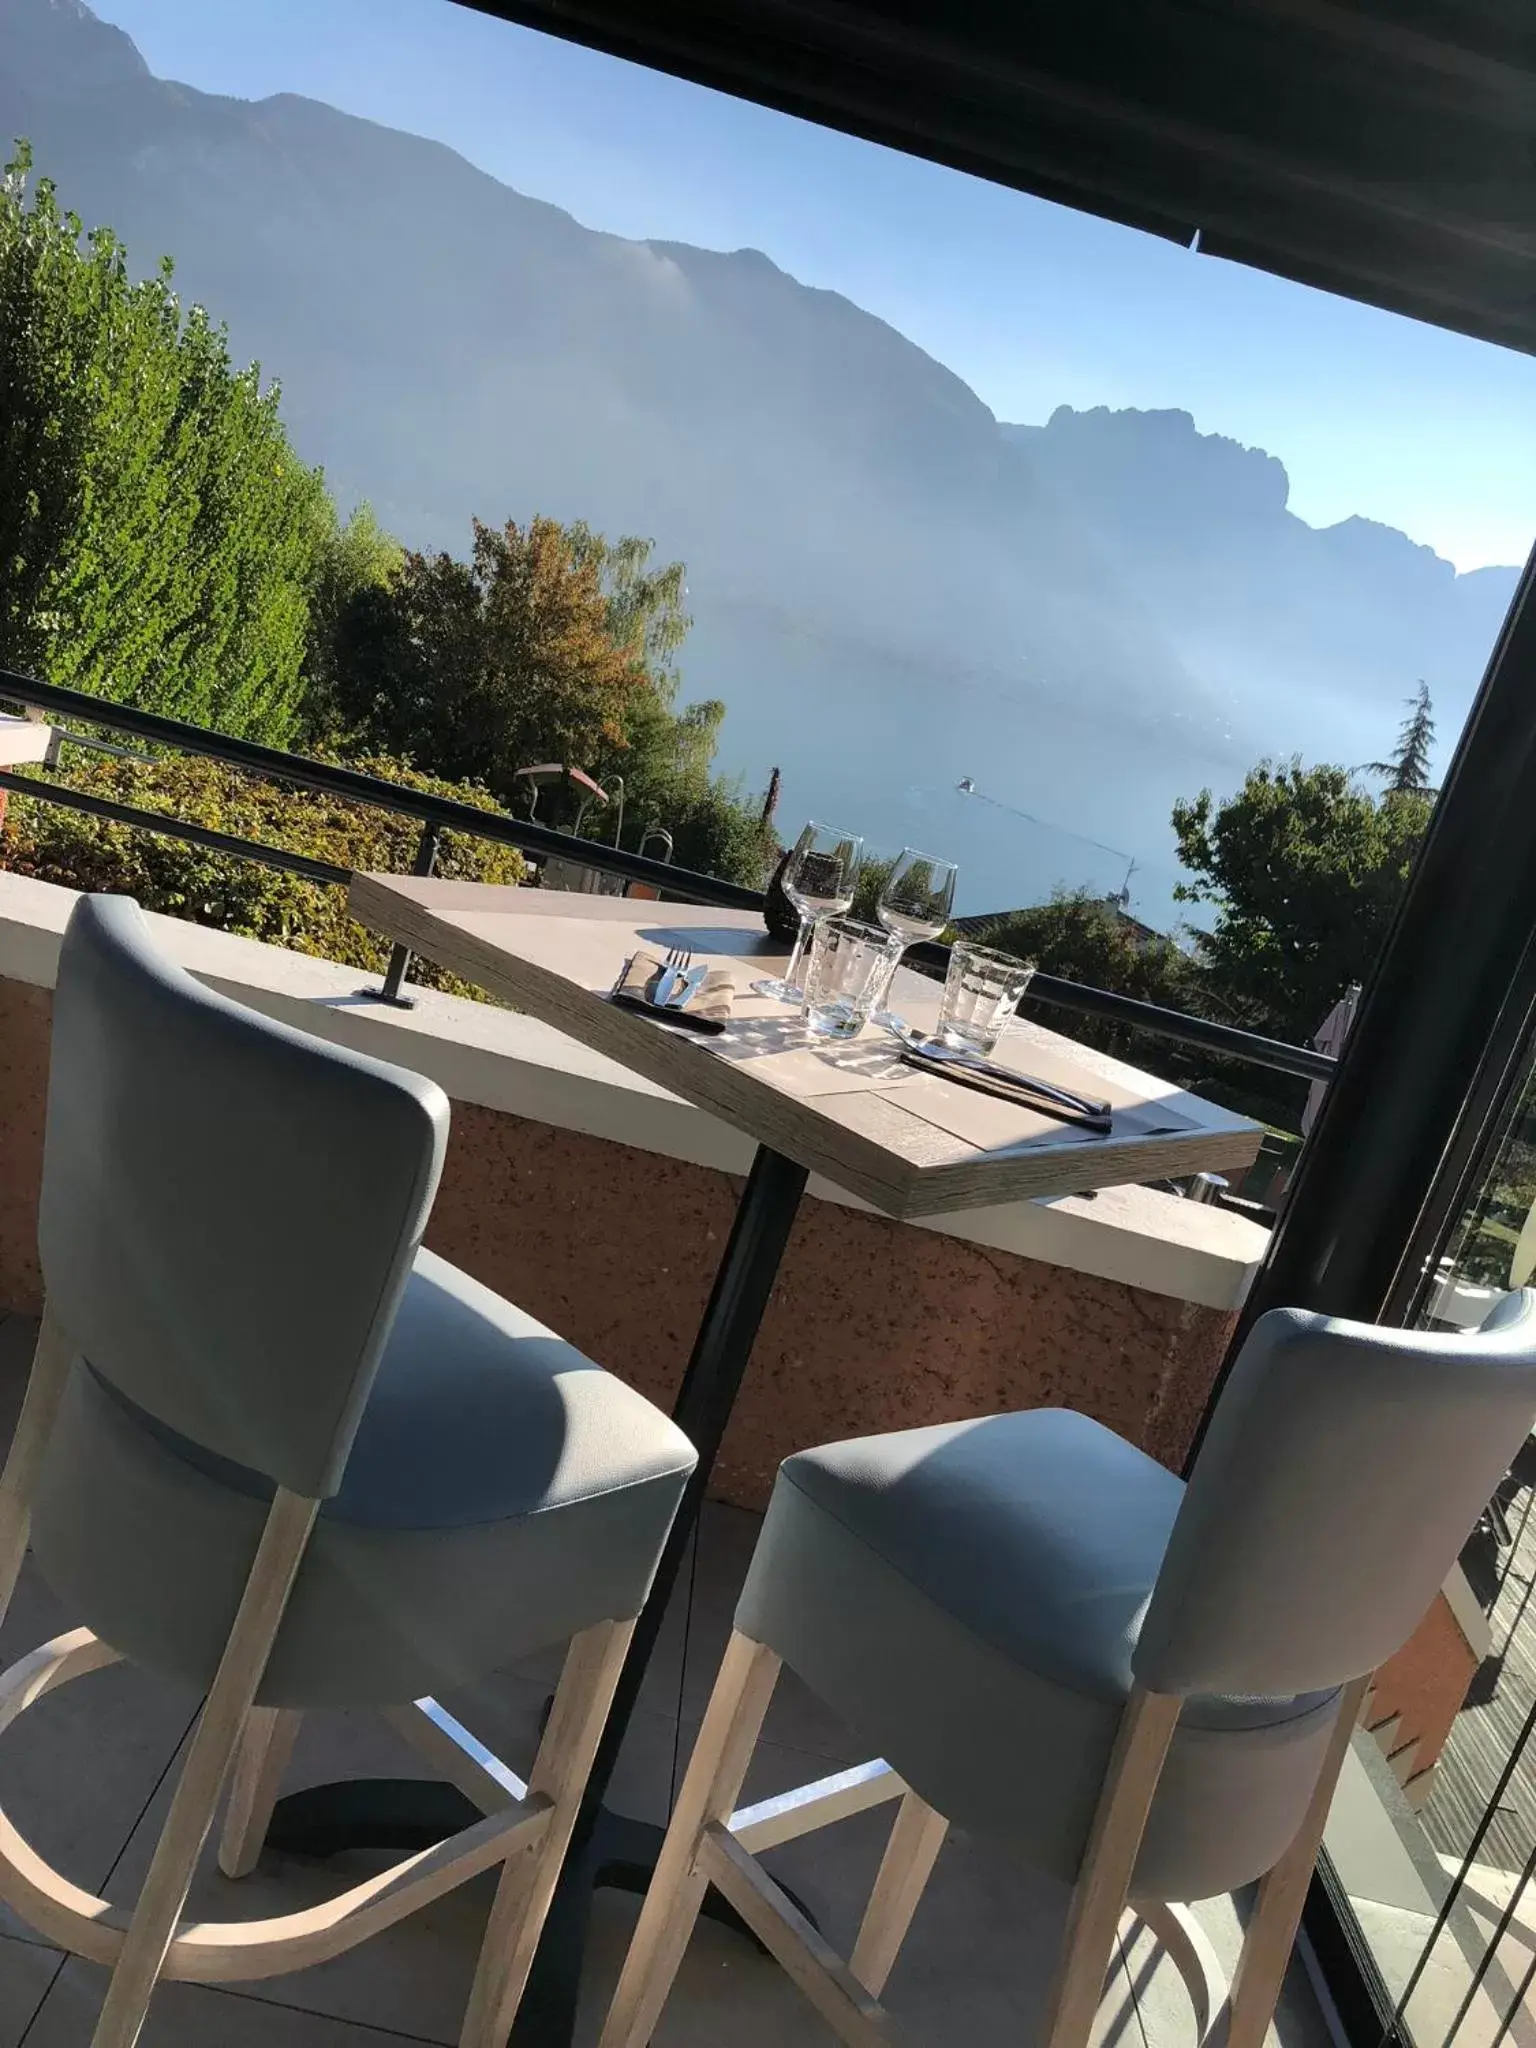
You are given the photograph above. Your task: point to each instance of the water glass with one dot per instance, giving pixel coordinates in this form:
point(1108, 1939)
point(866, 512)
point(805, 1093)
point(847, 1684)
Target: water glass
point(819, 876)
point(918, 897)
point(981, 993)
point(847, 973)
point(916, 903)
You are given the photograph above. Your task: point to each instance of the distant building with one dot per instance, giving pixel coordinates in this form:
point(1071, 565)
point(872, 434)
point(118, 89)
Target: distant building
point(1141, 934)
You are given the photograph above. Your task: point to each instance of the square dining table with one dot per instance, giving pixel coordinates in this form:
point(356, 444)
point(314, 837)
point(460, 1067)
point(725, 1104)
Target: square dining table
point(910, 1143)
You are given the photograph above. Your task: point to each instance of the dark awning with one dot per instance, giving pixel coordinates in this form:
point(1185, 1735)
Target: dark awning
point(1384, 151)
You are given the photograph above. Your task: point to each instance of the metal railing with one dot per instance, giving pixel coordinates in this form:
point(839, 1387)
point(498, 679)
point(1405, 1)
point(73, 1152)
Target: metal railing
point(439, 814)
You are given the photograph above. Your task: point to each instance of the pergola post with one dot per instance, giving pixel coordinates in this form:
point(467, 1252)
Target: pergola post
point(1445, 1015)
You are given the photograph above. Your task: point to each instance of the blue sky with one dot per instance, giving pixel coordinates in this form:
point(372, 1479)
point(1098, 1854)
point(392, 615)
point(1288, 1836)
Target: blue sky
point(1032, 304)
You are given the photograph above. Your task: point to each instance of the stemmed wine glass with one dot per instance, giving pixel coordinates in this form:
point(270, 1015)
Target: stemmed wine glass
point(819, 878)
point(916, 903)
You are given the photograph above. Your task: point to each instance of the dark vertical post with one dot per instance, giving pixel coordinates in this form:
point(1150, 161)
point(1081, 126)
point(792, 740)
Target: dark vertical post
point(1438, 1001)
point(400, 959)
point(744, 1280)
point(738, 1300)
point(1410, 1107)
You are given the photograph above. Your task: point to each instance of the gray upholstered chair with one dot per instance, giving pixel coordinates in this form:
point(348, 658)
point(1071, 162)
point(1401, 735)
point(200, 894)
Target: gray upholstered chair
point(1144, 1689)
point(274, 1449)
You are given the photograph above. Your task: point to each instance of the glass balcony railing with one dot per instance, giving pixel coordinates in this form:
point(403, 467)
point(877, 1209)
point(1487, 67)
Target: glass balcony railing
point(1433, 1834)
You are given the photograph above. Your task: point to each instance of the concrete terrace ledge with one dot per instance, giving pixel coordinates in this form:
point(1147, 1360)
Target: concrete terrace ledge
point(1118, 1303)
point(479, 1053)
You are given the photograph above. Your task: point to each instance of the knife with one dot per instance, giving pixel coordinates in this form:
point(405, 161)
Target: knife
point(973, 1063)
point(710, 1027)
point(689, 984)
point(666, 982)
point(1016, 1088)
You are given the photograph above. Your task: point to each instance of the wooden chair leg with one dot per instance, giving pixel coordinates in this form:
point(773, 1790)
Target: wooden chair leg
point(212, 1750)
point(1104, 1881)
point(529, 1876)
point(1271, 1932)
point(917, 1836)
point(732, 1724)
point(266, 1745)
point(45, 1389)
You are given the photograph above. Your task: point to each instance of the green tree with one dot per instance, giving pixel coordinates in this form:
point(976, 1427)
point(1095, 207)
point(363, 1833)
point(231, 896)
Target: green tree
point(872, 878)
point(158, 537)
point(664, 754)
point(667, 754)
point(1408, 768)
point(645, 602)
point(550, 644)
point(351, 558)
point(238, 895)
point(1304, 870)
point(482, 667)
point(666, 760)
point(721, 832)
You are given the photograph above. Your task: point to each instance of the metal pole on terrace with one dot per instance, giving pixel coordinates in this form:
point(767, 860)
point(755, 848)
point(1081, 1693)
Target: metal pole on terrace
point(1454, 980)
point(1445, 1013)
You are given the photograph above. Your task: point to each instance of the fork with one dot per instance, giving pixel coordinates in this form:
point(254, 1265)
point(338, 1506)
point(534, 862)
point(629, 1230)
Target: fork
point(678, 961)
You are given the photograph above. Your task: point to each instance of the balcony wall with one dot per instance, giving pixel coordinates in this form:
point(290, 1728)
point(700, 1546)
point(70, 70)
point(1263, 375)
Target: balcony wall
point(601, 1204)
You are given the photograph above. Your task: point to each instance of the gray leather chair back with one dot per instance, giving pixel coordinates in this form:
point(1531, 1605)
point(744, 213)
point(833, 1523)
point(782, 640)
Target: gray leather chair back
point(230, 1208)
point(1342, 1472)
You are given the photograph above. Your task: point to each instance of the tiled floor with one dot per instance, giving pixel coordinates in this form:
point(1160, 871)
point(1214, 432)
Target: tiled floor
point(86, 1774)
point(1490, 1727)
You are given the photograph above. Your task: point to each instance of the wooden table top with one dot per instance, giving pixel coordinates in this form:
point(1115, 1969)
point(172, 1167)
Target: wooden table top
point(911, 1143)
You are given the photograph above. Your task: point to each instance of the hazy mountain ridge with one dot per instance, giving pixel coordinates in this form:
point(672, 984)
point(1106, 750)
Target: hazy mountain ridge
point(886, 582)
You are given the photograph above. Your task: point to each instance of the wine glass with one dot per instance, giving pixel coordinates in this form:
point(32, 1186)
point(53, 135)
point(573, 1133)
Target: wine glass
point(916, 903)
point(819, 878)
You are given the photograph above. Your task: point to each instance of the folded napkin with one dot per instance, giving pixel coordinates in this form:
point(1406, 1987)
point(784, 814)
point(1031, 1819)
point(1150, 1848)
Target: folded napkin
point(708, 1010)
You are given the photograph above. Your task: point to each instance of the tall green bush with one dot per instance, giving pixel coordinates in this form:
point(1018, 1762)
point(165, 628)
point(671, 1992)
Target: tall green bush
point(159, 538)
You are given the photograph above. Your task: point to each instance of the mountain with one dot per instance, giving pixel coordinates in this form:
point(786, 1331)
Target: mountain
point(891, 590)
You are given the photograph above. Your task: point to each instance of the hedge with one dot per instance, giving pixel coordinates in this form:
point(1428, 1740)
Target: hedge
point(170, 875)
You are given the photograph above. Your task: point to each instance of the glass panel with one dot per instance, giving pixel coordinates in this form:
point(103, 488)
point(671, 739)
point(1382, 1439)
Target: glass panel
point(672, 472)
point(1433, 1832)
point(845, 487)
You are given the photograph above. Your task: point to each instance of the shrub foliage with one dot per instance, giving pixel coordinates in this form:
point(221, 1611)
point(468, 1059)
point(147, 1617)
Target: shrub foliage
point(170, 875)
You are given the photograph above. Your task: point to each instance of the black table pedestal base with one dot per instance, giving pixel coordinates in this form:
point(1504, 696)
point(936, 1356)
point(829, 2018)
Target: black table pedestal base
point(399, 1816)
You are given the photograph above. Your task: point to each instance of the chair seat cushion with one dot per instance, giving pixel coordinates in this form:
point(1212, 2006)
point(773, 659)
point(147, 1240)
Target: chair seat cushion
point(477, 1413)
point(968, 1597)
point(502, 1492)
